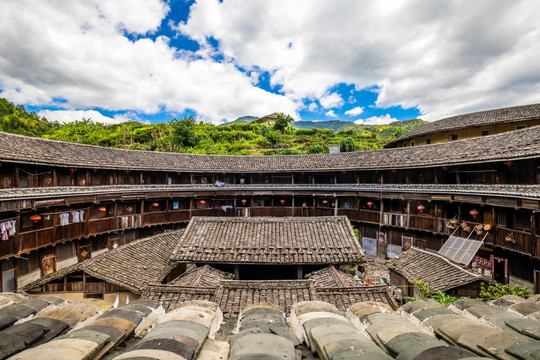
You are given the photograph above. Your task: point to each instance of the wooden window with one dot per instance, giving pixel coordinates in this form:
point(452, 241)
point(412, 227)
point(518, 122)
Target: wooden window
point(65, 251)
point(523, 221)
point(454, 137)
point(428, 141)
point(485, 132)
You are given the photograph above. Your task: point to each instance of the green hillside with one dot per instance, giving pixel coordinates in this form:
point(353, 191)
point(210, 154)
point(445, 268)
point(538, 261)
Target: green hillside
point(190, 136)
point(242, 120)
point(335, 125)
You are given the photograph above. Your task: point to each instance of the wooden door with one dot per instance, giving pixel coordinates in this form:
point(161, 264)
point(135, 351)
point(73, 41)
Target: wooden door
point(48, 265)
point(85, 252)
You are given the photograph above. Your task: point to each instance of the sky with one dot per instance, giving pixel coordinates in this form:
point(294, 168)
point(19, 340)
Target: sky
point(367, 61)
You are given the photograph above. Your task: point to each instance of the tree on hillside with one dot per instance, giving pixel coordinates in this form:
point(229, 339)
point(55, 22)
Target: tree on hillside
point(347, 145)
point(184, 131)
point(282, 122)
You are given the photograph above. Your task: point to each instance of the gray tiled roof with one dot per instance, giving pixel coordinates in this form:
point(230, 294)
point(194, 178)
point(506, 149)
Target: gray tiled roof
point(507, 190)
point(518, 144)
point(132, 266)
point(137, 263)
point(204, 277)
point(269, 240)
point(481, 118)
point(233, 295)
point(332, 277)
point(437, 271)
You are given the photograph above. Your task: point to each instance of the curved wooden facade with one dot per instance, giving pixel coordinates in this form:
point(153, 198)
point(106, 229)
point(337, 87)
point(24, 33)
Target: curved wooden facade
point(89, 198)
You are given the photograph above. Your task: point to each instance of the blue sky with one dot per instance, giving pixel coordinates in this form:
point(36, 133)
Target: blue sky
point(371, 62)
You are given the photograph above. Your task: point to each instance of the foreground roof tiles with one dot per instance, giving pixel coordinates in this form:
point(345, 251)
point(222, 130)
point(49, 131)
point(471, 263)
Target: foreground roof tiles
point(517, 144)
point(437, 271)
point(269, 240)
point(480, 118)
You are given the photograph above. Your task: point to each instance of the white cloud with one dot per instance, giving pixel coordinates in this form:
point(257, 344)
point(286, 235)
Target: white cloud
point(77, 56)
point(331, 114)
point(66, 116)
point(355, 111)
point(376, 120)
point(444, 58)
point(313, 107)
point(332, 100)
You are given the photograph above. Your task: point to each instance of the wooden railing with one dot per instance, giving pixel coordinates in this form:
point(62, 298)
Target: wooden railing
point(129, 221)
point(155, 218)
point(69, 231)
point(96, 226)
point(395, 219)
point(422, 222)
point(35, 239)
point(372, 216)
point(515, 240)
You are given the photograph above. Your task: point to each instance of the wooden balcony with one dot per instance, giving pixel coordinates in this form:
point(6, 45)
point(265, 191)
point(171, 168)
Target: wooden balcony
point(35, 239)
point(516, 240)
point(395, 219)
point(69, 231)
point(422, 222)
point(129, 221)
point(103, 225)
point(153, 218)
point(372, 216)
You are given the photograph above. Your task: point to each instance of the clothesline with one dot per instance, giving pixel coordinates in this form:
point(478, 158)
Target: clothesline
point(37, 174)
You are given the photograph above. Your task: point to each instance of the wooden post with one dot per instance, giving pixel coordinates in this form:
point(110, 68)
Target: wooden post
point(16, 180)
point(299, 272)
point(84, 284)
point(236, 272)
point(335, 205)
point(54, 177)
point(408, 213)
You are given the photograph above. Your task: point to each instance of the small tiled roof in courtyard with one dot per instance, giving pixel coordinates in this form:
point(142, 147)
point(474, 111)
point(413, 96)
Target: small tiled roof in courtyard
point(269, 240)
point(131, 266)
point(233, 295)
point(440, 273)
point(476, 119)
point(332, 277)
point(204, 277)
point(519, 144)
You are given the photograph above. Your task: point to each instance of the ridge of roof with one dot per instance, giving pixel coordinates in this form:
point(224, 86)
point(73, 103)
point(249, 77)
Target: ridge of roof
point(514, 145)
point(477, 118)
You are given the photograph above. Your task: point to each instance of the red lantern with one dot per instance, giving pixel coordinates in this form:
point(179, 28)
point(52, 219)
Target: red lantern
point(325, 201)
point(244, 201)
point(35, 219)
point(72, 170)
point(421, 208)
point(102, 209)
point(370, 204)
point(202, 202)
point(474, 213)
point(155, 205)
point(282, 201)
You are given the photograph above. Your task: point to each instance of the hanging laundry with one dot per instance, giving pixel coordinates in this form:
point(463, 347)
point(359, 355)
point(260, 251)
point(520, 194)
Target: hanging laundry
point(81, 215)
point(3, 231)
point(64, 219)
point(12, 227)
point(225, 207)
point(75, 216)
